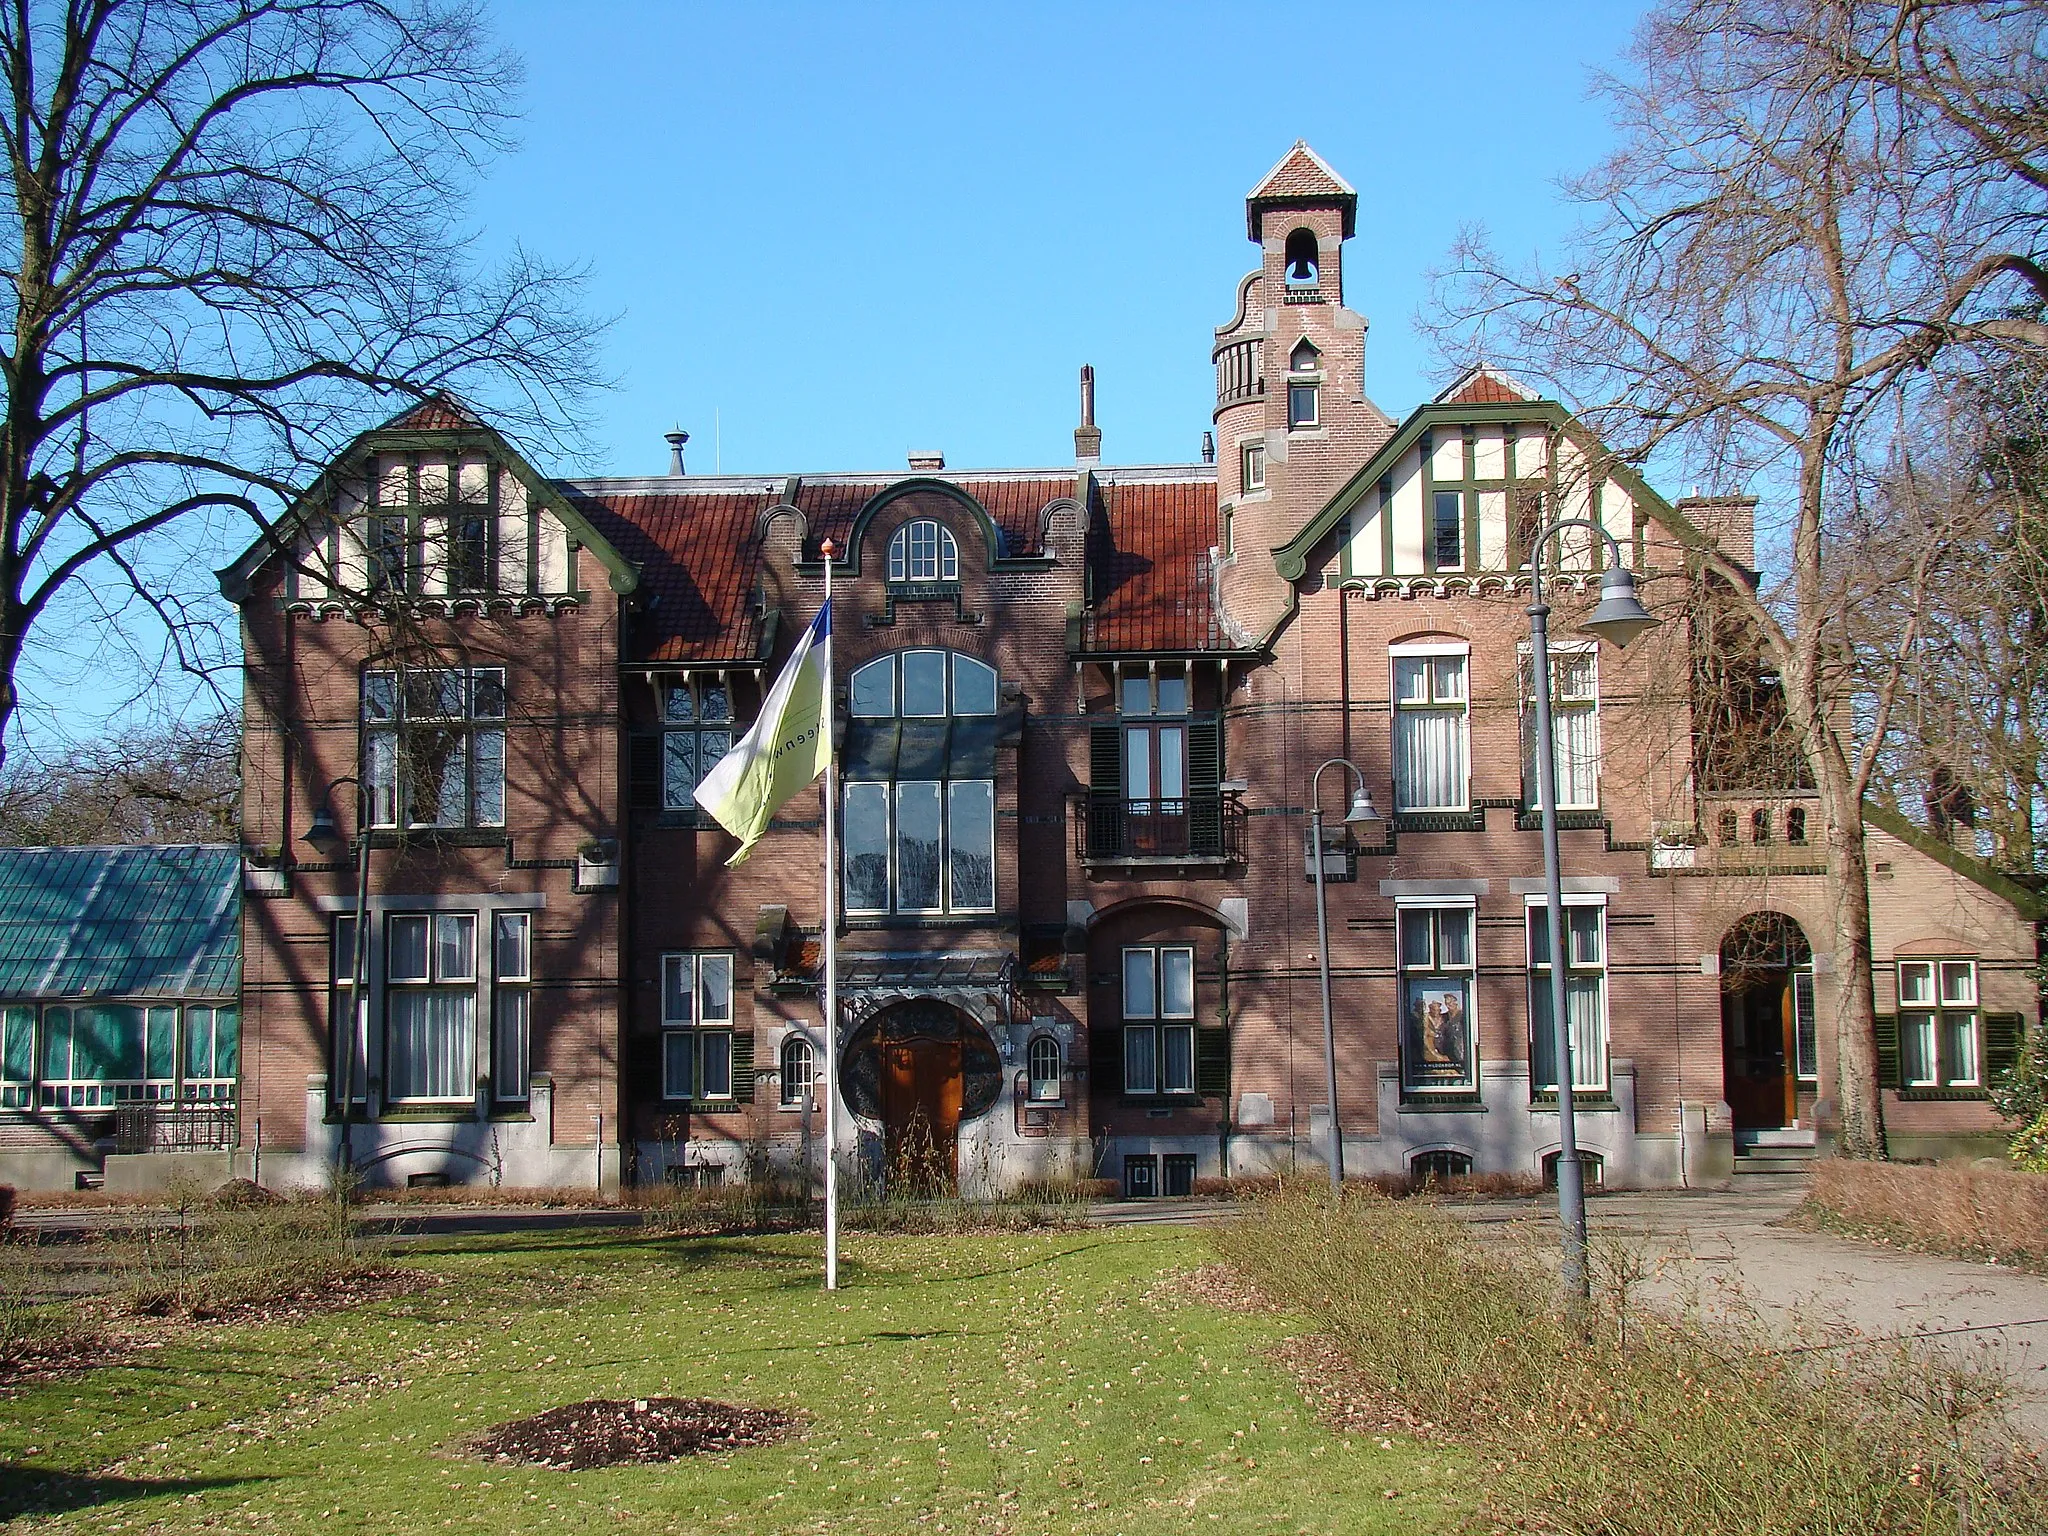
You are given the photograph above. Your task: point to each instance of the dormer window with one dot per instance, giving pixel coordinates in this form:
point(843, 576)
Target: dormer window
point(923, 551)
point(1303, 254)
point(1304, 358)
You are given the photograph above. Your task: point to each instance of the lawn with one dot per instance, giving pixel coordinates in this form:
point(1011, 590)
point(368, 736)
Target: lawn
point(1046, 1382)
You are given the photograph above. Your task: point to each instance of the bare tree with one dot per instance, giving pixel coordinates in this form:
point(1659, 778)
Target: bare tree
point(236, 238)
point(1808, 213)
point(175, 784)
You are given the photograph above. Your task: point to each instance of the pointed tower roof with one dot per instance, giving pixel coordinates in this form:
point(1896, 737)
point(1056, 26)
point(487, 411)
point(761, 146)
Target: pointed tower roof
point(1302, 179)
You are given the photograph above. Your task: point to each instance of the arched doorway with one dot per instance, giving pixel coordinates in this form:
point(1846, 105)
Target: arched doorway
point(1767, 1042)
point(921, 1067)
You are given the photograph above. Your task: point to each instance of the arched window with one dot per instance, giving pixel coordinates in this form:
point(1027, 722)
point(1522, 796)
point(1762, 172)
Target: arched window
point(1045, 1070)
point(1441, 1166)
point(919, 766)
point(1304, 358)
point(923, 551)
point(799, 1070)
point(1303, 254)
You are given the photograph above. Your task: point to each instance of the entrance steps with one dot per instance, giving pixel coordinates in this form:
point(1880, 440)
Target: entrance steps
point(1774, 1159)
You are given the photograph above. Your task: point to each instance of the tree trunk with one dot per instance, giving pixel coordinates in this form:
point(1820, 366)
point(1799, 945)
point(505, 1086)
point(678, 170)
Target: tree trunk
point(1860, 1097)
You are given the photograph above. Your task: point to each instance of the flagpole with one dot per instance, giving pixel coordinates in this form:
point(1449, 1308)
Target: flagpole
point(831, 1006)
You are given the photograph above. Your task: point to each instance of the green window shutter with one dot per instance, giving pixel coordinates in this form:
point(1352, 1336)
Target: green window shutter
point(1887, 1050)
point(2003, 1035)
point(743, 1066)
point(1105, 789)
point(1105, 1058)
point(1205, 799)
point(1212, 1063)
point(643, 753)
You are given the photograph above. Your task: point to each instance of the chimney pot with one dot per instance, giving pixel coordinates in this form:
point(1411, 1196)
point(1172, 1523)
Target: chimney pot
point(1208, 447)
point(676, 439)
point(1088, 436)
point(926, 460)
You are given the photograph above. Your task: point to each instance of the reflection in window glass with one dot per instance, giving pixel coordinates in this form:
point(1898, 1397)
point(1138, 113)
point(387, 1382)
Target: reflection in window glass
point(874, 690)
point(864, 843)
point(1177, 978)
point(972, 829)
point(1139, 1001)
point(917, 847)
point(974, 687)
point(924, 683)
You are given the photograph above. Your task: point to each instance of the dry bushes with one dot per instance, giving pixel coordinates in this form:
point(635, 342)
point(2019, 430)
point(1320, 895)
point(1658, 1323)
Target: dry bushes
point(1621, 1421)
point(1974, 1213)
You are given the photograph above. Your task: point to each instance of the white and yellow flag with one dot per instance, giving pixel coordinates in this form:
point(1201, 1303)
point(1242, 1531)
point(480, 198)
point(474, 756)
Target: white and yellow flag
point(789, 746)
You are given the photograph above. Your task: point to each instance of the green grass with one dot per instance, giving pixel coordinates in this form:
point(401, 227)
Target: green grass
point(1015, 1383)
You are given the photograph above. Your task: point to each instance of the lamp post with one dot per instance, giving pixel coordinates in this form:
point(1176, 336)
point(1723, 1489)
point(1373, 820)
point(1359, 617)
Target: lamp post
point(325, 837)
point(1618, 619)
point(1362, 810)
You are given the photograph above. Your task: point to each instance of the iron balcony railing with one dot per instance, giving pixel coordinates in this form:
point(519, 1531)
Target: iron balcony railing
point(1207, 827)
point(170, 1127)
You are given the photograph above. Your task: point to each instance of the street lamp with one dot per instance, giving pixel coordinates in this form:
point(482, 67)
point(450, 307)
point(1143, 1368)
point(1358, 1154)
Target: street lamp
point(1618, 619)
point(1362, 810)
point(325, 837)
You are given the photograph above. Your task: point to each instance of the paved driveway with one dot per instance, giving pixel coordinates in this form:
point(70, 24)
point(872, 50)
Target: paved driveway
point(1727, 1250)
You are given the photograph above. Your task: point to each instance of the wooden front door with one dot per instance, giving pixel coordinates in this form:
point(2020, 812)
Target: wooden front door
point(1757, 1047)
point(921, 1098)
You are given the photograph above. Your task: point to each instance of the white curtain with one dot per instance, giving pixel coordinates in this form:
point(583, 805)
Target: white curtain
point(1584, 1009)
point(1429, 759)
point(432, 1043)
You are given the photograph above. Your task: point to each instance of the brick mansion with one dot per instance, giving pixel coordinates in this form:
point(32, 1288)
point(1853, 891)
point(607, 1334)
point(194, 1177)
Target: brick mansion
point(1079, 711)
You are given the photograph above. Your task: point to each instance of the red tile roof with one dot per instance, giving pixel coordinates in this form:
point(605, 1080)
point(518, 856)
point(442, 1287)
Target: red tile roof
point(1302, 173)
point(440, 413)
point(1485, 386)
point(1149, 551)
point(698, 553)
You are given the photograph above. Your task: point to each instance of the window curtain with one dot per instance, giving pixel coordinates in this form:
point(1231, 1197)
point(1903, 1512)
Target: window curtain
point(1589, 1039)
point(432, 1041)
point(1429, 759)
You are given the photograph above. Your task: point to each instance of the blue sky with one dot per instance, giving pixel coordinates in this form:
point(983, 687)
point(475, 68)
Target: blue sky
point(834, 233)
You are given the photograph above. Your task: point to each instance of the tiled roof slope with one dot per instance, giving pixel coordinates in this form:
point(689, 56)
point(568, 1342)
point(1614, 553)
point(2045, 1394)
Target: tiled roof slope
point(698, 553)
point(440, 413)
point(1149, 544)
point(1486, 386)
point(1302, 173)
point(120, 922)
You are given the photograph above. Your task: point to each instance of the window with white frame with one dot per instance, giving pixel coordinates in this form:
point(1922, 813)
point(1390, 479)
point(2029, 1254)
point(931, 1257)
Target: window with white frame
point(696, 717)
point(18, 1056)
point(1043, 1062)
point(696, 1026)
point(1153, 709)
point(1159, 1020)
point(512, 1006)
point(1585, 999)
point(1574, 726)
point(1252, 461)
point(345, 1025)
point(1432, 750)
point(1938, 1024)
point(434, 746)
point(1439, 1044)
point(799, 1071)
point(918, 827)
point(924, 551)
point(97, 1055)
point(1303, 408)
point(430, 1007)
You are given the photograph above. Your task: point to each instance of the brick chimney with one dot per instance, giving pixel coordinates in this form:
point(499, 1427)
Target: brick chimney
point(1087, 436)
point(926, 461)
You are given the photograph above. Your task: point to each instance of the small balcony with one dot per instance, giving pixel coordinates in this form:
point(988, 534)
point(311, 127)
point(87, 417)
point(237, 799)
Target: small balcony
point(152, 1126)
point(1201, 829)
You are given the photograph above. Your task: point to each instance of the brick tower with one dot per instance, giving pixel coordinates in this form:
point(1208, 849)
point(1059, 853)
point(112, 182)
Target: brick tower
point(1292, 418)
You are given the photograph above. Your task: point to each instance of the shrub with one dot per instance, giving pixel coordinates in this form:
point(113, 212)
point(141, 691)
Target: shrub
point(1620, 1421)
point(1976, 1213)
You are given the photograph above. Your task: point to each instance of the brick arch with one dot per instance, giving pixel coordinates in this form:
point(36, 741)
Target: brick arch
point(1430, 637)
point(925, 485)
point(1131, 904)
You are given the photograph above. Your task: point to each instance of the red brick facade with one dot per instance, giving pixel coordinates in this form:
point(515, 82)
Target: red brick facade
point(1121, 979)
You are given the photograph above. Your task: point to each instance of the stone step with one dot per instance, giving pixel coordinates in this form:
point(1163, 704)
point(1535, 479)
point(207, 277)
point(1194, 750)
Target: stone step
point(1772, 1172)
point(1788, 1136)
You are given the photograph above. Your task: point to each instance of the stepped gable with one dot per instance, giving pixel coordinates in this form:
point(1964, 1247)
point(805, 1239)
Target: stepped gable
point(1149, 542)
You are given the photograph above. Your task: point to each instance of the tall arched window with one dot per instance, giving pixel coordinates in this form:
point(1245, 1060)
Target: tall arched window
point(1045, 1070)
point(923, 551)
point(919, 762)
point(799, 1070)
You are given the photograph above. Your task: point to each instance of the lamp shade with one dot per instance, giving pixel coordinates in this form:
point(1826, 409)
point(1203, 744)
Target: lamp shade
point(1362, 808)
point(322, 832)
point(1620, 617)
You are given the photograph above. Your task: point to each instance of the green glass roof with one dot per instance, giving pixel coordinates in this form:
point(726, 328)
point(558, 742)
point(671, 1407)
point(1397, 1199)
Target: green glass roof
point(120, 922)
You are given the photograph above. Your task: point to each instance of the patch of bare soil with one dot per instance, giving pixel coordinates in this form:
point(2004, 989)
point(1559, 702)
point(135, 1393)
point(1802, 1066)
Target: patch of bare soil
point(290, 1304)
point(1217, 1285)
point(1343, 1397)
point(51, 1355)
point(604, 1433)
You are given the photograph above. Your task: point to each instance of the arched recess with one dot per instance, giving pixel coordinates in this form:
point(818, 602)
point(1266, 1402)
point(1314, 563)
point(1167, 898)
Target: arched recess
point(1304, 257)
point(919, 1067)
point(1767, 1023)
point(1158, 1030)
point(994, 546)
